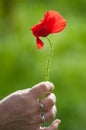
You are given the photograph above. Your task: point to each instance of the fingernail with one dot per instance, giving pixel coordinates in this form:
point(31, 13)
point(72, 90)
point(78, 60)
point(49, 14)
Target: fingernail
point(57, 122)
point(50, 85)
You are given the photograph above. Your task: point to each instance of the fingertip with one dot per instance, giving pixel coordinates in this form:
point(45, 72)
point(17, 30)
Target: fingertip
point(53, 126)
point(56, 123)
point(50, 85)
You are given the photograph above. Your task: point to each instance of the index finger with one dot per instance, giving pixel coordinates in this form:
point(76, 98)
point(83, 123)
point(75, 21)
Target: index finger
point(41, 88)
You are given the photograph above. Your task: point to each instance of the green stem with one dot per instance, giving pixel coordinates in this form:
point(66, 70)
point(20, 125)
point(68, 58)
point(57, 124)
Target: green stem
point(48, 61)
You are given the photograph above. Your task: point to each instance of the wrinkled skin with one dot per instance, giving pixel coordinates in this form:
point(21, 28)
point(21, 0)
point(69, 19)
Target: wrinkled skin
point(21, 110)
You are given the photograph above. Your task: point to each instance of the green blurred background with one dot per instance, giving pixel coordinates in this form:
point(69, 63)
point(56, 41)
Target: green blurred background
point(22, 65)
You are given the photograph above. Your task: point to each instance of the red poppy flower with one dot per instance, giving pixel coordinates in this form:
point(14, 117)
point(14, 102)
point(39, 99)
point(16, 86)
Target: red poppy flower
point(52, 22)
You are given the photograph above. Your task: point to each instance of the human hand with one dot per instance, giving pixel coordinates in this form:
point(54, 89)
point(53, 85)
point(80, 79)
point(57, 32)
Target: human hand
point(21, 110)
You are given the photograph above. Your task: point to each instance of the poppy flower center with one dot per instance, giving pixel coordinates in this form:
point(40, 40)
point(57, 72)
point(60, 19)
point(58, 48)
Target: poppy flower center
point(43, 31)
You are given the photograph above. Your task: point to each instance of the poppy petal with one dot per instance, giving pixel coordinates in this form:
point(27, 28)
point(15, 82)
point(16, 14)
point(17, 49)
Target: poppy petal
point(54, 21)
point(39, 43)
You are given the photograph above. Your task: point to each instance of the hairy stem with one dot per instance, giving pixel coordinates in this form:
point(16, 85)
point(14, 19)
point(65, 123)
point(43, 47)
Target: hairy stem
point(48, 61)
